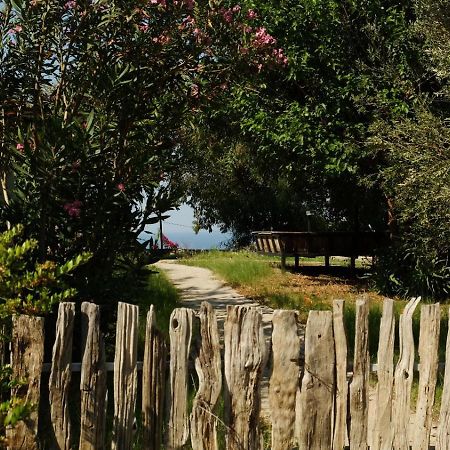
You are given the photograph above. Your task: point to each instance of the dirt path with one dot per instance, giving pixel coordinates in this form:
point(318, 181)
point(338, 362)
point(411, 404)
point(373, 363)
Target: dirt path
point(197, 285)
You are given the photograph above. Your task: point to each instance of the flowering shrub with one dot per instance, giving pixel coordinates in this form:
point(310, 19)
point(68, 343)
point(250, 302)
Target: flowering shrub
point(169, 244)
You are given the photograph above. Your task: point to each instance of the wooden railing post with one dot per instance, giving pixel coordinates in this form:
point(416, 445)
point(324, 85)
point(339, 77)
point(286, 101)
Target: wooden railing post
point(60, 375)
point(27, 355)
point(245, 358)
point(209, 371)
point(125, 375)
point(318, 383)
point(153, 384)
point(93, 381)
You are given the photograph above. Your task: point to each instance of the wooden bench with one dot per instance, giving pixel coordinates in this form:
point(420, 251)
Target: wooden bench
point(313, 244)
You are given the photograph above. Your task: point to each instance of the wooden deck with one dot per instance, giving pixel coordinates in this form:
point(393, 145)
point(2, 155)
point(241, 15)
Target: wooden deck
point(313, 244)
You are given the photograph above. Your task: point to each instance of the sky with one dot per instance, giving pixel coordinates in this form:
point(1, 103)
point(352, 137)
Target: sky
point(178, 228)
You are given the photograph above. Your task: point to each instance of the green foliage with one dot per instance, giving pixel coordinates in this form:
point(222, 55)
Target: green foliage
point(28, 287)
point(296, 141)
point(416, 178)
point(93, 98)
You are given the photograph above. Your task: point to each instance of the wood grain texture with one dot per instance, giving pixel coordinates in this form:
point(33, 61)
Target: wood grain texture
point(245, 358)
point(60, 375)
point(318, 384)
point(341, 392)
point(443, 431)
point(284, 380)
point(359, 386)
point(382, 434)
point(125, 375)
point(27, 355)
point(209, 370)
point(430, 320)
point(181, 323)
point(403, 377)
point(153, 384)
point(92, 381)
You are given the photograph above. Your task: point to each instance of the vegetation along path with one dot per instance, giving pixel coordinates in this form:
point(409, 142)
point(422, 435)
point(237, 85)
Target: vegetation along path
point(197, 285)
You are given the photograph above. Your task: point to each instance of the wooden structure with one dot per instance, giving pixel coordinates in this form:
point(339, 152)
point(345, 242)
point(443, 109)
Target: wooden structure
point(311, 406)
point(325, 243)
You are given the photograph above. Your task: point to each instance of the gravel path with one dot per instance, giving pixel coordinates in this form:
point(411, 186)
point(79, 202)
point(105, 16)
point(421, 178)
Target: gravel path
point(197, 285)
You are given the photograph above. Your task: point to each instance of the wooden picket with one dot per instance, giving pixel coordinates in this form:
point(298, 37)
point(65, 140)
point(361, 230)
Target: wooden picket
point(310, 403)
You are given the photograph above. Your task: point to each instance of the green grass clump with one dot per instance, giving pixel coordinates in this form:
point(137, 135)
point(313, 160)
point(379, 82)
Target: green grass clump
point(161, 293)
point(236, 268)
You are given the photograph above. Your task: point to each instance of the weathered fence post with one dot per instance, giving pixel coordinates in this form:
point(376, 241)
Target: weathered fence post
point(285, 376)
point(153, 384)
point(93, 380)
point(245, 358)
point(208, 366)
point(318, 386)
point(443, 432)
point(341, 397)
point(58, 385)
point(359, 386)
point(181, 322)
point(382, 433)
point(430, 321)
point(27, 355)
point(403, 377)
point(125, 375)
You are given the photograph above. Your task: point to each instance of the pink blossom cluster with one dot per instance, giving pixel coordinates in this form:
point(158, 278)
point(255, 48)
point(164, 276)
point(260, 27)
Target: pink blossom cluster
point(71, 4)
point(73, 208)
point(251, 14)
point(280, 57)
point(263, 38)
point(16, 29)
point(168, 243)
point(162, 39)
point(121, 187)
point(20, 147)
point(228, 14)
point(162, 3)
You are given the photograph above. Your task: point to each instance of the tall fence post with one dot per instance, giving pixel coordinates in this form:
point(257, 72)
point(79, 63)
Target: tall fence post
point(245, 358)
point(382, 434)
point(359, 387)
point(318, 385)
point(403, 378)
point(208, 366)
point(285, 376)
point(341, 397)
point(443, 431)
point(153, 383)
point(430, 321)
point(27, 355)
point(125, 375)
point(92, 381)
point(181, 323)
point(60, 375)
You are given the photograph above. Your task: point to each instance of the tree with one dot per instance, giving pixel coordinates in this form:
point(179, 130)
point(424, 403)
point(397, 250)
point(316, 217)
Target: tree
point(93, 97)
point(348, 64)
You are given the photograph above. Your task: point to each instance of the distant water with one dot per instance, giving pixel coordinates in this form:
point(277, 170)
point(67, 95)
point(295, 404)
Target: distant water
point(201, 241)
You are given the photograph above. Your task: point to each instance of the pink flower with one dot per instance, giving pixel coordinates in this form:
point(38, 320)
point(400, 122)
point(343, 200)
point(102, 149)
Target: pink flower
point(236, 8)
point(71, 4)
point(228, 15)
point(73, 209)
point(263, 38)
point(248, 29)
point(251, 14)
point(16, 29)
point(121, 187)
point(143, 28)
point(20, 147)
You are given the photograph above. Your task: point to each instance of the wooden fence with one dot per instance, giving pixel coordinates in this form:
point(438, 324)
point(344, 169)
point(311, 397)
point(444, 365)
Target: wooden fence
point(314, 403)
